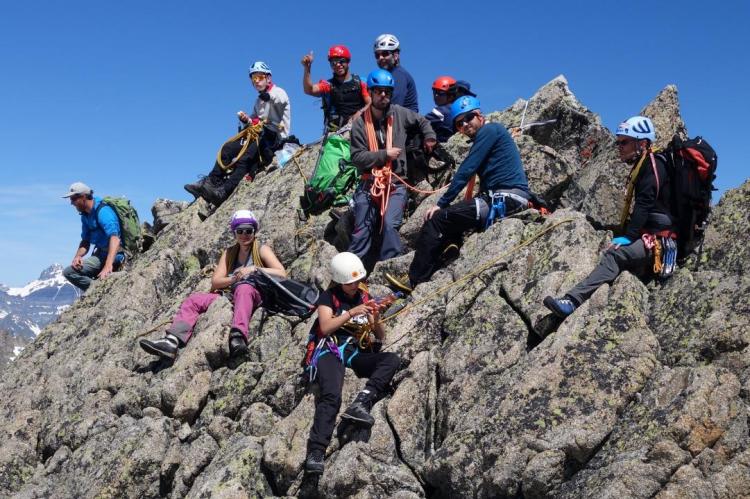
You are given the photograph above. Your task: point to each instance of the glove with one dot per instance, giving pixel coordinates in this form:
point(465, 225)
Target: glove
point(621, 241)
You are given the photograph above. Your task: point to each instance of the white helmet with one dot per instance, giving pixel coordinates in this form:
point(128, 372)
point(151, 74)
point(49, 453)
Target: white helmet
point(386, 42)
point(637, 127)
point(347, 268)
point(260, 67)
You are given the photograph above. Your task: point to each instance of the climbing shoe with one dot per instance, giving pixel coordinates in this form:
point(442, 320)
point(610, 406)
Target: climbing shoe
point(449, 254)
point(561, 307)
point(400, 283)
point(314, 462)
point(359, 410)
point(165, 347)
point(237, 343)
point(196, 188)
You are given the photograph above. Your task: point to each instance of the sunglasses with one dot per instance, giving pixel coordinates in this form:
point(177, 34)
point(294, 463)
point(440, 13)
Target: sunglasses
point(383, 53)
point(244, 232)
point(623, 142)
point(382, 90)
point(439, 93)
point(338, 60)
point(461, 122)
point(257, 77)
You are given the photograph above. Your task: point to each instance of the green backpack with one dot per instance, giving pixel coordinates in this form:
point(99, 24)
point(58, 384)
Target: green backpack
point(333, 178)
point(130, 225)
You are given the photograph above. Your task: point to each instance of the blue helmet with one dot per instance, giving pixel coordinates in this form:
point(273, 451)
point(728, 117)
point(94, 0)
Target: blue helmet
point(463, 105)
point(380, 78)
point(637, 127)
point(260, 67)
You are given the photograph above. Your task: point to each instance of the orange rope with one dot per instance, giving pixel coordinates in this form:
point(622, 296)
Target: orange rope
point(380, 191)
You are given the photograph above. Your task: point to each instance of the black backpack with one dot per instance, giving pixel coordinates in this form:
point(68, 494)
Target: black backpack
point(286, 296)
point(692, 169)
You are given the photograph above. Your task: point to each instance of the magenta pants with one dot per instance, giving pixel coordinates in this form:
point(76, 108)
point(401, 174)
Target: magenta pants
point(246, 299)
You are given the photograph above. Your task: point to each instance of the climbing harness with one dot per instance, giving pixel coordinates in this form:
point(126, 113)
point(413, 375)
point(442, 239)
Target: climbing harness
point(249, 134)
point(497, 208)
point(664, 248)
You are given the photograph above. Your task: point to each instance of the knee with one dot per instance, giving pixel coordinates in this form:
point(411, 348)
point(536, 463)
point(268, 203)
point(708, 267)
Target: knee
point(68, 272)
point(391, 360)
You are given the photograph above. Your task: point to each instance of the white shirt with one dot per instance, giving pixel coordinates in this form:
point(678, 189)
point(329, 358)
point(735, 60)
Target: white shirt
point(277, 110)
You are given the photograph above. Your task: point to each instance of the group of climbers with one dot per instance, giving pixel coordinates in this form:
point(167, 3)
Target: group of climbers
point(382, 115)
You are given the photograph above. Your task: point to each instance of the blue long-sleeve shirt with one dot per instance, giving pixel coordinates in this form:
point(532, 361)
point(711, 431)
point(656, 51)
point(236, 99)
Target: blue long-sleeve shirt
point(404, 89)
point(98, 229)
point(495, 158)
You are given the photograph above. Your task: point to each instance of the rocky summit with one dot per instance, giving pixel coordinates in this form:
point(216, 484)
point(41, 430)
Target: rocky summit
point(643, 392)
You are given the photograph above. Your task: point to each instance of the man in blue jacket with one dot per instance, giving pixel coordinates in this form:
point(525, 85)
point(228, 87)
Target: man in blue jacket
point(503, 190)
point(388, 56)
point(100, 226)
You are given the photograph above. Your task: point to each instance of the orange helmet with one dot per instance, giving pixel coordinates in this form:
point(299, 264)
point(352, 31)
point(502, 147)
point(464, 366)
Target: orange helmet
point(443, 83)
point(339, 51)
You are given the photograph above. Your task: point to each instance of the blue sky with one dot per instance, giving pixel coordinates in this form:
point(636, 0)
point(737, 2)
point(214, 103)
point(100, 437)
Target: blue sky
point(135, 97)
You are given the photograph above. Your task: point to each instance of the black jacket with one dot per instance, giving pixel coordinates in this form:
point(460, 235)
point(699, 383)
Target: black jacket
point(651, 206)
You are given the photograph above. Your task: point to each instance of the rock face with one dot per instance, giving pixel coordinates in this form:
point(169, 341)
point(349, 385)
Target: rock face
point(642, 392)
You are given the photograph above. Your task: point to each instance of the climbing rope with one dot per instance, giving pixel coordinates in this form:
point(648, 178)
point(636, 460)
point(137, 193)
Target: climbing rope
point(471, 274)
point(251, 133)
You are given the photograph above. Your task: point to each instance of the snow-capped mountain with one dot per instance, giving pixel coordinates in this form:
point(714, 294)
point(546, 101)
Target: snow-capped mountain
point(25, 311)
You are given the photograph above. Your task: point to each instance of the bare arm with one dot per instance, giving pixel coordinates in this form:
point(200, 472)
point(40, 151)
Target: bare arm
point(219, 280)
point(308, 86)
point(271, 263)
point(114, 245)
point(330, 323)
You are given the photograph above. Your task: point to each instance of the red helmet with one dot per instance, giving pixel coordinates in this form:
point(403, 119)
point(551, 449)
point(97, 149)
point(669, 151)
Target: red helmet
point(339, 51)
point(443, 83)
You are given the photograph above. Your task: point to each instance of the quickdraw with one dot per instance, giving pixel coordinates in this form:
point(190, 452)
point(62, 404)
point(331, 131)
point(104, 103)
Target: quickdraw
point(251, 133)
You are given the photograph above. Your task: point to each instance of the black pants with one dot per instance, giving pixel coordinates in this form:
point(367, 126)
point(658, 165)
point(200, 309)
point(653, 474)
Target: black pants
point(448, 224)
point(378, 367)
point(249, 163)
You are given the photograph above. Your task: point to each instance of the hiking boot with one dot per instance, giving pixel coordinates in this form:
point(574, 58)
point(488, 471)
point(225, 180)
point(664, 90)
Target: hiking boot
point(399, 282)
point(450, 253)
point(196, 188)
point(166, 347)
point(214, 194)
point(397, 306)
point(359, 410)
point(561, 307)
point(314, 462)
point(237, 343)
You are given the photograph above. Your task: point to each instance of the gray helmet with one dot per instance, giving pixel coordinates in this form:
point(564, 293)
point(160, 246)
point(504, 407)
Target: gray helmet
point(386, 41)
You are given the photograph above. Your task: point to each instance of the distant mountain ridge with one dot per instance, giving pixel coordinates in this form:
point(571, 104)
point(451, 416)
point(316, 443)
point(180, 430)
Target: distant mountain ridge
point(26, 310)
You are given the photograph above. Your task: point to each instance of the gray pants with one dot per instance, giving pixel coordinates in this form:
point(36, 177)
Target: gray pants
point(635, 258)
point(92, 265)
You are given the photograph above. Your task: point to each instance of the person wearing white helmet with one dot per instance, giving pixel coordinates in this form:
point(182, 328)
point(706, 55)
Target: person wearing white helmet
point(645, 216)
point(273, 108)
point(346, 318)
point(100, 227)
point(233, 277)
point(387, 51)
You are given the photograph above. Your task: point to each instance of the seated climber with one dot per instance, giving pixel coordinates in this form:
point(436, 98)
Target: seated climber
point(649, 193)
point(345, 96)
point(378, 152)
point(233, 276)
point(445, 90)
point(347, 318)
point(273, 109)
point(503, 190)
point(100, 226)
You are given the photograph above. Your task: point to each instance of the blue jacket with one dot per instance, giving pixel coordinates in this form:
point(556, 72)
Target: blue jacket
point(439, 118)
point(495, 158)
point(98, 232)
point(405, 90)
